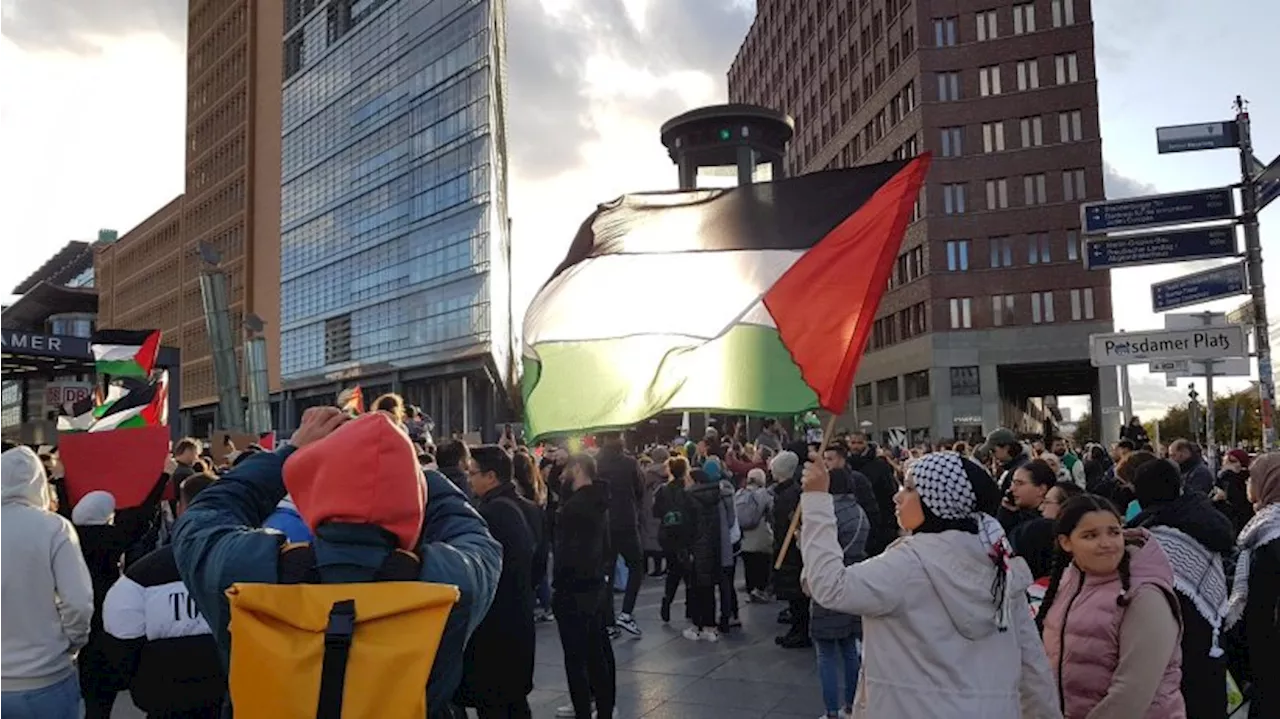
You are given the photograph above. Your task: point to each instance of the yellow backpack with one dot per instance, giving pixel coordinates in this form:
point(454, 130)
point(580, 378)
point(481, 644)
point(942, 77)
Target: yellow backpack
point(302, 650)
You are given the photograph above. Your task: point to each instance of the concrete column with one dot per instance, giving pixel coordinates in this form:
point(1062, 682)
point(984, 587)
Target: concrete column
point(1108, 423)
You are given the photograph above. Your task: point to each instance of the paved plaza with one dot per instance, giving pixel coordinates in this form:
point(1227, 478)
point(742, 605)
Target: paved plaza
point(665, 676)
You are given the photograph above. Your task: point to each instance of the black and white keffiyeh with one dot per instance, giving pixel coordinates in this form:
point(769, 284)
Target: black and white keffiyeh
point(944, 484)
point(1264, 528)
point(1198, 575)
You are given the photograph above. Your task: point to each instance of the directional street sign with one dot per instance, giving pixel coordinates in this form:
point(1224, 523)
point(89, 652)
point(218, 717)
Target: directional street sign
point(1230, 367)
point(1201, 136)
point(1171, 366)
point(1266, 179)
point(1267, 193)
point(1163, 246)
point(1158, 210)
point(1199, 287)
point(1122, 348)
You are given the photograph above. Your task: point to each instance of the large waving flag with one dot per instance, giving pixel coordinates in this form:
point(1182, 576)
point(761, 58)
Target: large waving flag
point(142, 405)
point(756, 299)
point(125, 353)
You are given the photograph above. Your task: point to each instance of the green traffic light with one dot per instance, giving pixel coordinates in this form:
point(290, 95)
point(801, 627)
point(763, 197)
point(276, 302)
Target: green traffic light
point(726, 134)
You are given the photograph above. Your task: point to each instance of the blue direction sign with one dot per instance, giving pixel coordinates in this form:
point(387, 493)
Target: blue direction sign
point(1158, 210)
point(1151, 248)
point(1268, 192)
point(1201, 136)
point(1199, 287)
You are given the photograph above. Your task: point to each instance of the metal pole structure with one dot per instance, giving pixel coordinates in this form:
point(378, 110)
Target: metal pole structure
point(217, 317)
point(1235, 420)
point(1210, 440)
point(1126, 400)
point(255, 362)
point(1253, 250)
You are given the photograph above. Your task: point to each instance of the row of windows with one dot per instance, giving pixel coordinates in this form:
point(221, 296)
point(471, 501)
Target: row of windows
point(1034, 192)
point(987, 23)
point(1003, 310)
point(1001, 251)
point(1066, 70)
point(900, 326)
point(952, 140)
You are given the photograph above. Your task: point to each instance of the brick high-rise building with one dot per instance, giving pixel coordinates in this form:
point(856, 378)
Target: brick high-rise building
point(149, 278)
point(990, 308)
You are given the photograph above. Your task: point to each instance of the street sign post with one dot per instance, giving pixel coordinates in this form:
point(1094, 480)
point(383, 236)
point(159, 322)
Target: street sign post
point(1151, 248)
point(1158, 210)
point(1199, 287)
point(1123, 348)
point(1200, 136)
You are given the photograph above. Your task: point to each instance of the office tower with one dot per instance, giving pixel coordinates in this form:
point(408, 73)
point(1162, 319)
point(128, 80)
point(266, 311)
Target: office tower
point(989, 309)
point(394, 252)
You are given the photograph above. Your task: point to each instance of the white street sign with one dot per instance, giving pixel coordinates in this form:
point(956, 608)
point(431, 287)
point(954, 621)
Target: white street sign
point(1124, 348)
point(1173, 367)
point(1193, 320)
point(1228, 367)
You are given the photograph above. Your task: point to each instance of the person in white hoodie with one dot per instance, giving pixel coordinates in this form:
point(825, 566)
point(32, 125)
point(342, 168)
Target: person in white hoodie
point(47, 599)
point(946, 628)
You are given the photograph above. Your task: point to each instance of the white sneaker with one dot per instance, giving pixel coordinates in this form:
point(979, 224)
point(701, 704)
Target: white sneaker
point(692, 634)
point(569, 712)
point(627, 623)
point(710, 635)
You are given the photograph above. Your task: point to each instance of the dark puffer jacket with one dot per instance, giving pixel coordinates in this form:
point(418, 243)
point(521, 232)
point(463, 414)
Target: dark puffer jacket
point(786, 501)
point(705, 547)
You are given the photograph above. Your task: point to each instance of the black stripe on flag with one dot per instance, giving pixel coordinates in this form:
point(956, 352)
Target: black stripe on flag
point(124, 338)
point(789, 214)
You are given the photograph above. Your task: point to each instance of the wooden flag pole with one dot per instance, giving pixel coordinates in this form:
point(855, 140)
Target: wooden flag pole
point(827, 433)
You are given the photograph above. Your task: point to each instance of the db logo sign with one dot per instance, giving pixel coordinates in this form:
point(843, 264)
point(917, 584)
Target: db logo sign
point(56, 395)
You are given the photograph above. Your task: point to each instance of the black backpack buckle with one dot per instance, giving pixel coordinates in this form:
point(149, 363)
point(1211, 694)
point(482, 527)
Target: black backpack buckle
point(342, 623)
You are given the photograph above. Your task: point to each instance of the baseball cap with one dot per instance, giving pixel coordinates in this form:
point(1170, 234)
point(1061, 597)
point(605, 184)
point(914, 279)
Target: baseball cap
point(998, 437)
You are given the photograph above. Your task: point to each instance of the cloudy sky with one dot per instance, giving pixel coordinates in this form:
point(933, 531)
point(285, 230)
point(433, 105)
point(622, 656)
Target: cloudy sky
point(92, 111)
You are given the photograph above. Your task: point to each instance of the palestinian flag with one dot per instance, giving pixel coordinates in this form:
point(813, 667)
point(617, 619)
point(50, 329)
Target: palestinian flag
point(79, 415)
point(144, 405)
point(756, 299)
point(125, 353)
point(351, 400)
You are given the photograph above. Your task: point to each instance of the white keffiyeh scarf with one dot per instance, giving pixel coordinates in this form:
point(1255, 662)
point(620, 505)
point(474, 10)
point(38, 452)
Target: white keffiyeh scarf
point(1197, 575)
point(1264, 528)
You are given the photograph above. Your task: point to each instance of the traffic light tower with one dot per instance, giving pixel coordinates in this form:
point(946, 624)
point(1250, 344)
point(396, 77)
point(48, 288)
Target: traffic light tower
point(737, 135)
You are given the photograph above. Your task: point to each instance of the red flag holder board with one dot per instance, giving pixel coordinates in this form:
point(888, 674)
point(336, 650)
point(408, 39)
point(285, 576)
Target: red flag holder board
point(124, 462)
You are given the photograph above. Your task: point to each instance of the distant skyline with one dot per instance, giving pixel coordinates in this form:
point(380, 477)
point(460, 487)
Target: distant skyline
point(92, 107)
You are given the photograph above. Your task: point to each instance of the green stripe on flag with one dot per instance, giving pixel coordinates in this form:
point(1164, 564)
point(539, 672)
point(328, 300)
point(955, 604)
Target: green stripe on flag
point(747, 370)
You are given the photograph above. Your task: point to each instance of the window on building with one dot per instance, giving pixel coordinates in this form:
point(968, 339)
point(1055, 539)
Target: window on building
point(1073, 185)
point(1069, 126)
point(915, 385)
point(1082, 304)
point(986, 25)
point(887, 391)
point(1001, 310)
point(1033, 189)
point(862, 395)
point(944, 31)
point(1024, 18)
point(1073, 245)
point(957, 255)
point(1028, 74)
point(1066, 68)
point(993, 137)
point(961, 313)
point(989, 80)
point(997, 194)
point(1038, 248)
point(951, 146)
point(1064, 12)
point(953, 199)
point(966, 381)
point(337, 339)
point(948, 86)
point(1041, 307)
point(1001, 252)
point(1032, 132)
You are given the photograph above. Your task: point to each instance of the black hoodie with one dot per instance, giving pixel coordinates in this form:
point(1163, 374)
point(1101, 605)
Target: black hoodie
point(883, 486)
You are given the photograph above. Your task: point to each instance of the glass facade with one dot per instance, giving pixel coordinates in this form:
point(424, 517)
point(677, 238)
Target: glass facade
point(393, 210)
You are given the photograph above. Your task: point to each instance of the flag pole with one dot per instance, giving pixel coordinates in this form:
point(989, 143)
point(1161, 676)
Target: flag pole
point(827, 433)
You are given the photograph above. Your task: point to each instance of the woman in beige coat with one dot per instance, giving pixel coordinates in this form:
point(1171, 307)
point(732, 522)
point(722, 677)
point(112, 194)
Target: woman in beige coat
point(946, 628)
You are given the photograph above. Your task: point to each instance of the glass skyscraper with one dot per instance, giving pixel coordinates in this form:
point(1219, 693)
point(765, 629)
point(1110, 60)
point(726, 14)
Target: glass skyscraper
point(394, 246)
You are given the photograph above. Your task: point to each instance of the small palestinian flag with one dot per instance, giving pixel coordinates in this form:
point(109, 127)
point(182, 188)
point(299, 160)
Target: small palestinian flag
point(125, 353)
point(793, 272)
point(351, 400)
point(144, 405)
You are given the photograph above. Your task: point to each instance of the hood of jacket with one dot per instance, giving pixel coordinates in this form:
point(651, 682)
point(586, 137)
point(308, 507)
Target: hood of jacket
point(364, 473)
point(594, 495)
point(962, 573)
point(23, 480)
point(1194, 515)
point(653, 476)
point(705, 493)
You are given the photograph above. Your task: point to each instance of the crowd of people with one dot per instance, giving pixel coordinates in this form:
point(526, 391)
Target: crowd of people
point(1008, 579)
